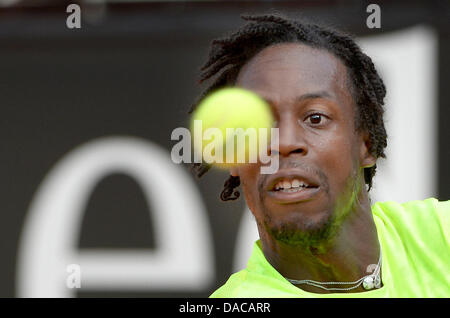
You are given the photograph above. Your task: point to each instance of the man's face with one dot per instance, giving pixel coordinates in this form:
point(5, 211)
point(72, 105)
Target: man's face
point(321, 154)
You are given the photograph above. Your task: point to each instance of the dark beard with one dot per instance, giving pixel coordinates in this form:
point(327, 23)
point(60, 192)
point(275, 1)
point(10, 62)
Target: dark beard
point(315, 235)
point(308, 236)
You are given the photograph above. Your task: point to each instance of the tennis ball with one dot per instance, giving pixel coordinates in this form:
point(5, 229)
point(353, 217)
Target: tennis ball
point(230, 126)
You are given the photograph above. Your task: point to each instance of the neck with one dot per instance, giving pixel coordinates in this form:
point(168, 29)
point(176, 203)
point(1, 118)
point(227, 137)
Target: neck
point(345, 258)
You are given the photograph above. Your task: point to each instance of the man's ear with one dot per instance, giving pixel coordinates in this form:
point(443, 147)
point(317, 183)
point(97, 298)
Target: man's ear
point(234, 172)
point(366, 158)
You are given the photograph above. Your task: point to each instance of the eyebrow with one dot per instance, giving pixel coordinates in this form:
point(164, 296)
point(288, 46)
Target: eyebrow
point(301, 98)
point(321, 94)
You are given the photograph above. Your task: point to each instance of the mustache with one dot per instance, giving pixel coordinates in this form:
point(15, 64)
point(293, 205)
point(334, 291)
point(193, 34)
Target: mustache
point(302, 166)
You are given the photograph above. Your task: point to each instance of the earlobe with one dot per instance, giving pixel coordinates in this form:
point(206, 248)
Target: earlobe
point(368, 162)
point(366, 158)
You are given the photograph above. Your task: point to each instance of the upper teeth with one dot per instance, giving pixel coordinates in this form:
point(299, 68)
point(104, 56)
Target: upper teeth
point(286, 184)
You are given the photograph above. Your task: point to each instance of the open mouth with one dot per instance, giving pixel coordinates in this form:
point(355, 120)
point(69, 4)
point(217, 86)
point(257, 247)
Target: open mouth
point(291, 187)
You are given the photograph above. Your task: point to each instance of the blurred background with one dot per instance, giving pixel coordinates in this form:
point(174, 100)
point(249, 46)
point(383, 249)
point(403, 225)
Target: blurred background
point(88, 191)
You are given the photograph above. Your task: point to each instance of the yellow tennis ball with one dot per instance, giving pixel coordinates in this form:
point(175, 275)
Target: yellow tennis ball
point(228, 127)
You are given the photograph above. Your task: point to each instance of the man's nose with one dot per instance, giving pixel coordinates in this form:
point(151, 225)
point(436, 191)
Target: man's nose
point(291, 138)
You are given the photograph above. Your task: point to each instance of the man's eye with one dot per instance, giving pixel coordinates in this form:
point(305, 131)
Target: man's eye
point(316, 119)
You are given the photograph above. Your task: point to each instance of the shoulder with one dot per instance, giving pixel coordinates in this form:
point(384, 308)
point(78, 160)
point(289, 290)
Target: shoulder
point(232, 286)
point(429, 208)
point(420, 220)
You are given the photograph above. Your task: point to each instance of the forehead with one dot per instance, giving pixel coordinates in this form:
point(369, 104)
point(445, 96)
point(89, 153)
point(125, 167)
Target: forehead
point(285, 71)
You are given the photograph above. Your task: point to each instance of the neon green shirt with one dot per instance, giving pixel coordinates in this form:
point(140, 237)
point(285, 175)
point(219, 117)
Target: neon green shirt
point(415, 243)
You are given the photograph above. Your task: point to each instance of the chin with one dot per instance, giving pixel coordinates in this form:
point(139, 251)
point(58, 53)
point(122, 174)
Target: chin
point(298, 228)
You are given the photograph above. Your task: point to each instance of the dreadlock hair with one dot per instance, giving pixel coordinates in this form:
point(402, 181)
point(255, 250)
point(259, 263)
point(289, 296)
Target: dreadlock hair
point(229, 54)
